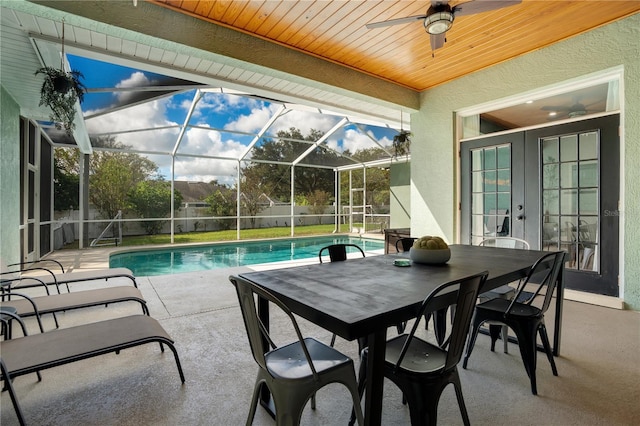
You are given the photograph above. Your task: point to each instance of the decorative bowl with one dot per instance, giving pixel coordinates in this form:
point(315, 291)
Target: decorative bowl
point(430, 257)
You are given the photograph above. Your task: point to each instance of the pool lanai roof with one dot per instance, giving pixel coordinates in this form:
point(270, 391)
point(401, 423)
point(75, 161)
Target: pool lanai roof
point(190, 129)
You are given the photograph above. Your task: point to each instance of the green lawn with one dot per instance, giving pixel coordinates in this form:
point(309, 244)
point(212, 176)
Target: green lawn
point(212, 236)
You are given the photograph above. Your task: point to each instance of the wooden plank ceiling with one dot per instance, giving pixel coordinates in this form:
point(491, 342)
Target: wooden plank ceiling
point(335, 30)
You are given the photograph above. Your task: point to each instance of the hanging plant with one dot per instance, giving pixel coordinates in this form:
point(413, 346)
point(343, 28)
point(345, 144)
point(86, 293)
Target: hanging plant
point(402, 143)
point(60, 91)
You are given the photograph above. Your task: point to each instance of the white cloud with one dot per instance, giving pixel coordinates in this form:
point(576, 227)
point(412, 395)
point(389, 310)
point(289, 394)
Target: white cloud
point(144, 116)
point(205, 170)
point(210, 143)
point(304, 121)
point(137, 79)
point(254, 121)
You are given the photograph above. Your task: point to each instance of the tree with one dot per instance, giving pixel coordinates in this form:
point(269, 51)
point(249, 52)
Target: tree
point(318, 201)
point(112, 174)
point(377, 179)
point(152, 198)
point(275, 179)
point(222, 203)
point(66, 188)
point(250, 196)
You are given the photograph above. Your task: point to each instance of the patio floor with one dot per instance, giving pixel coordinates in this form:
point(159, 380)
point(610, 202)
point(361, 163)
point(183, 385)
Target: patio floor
point(598, 368)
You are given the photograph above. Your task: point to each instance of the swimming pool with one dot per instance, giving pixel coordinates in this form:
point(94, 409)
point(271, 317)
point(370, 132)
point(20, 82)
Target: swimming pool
point(175, 260)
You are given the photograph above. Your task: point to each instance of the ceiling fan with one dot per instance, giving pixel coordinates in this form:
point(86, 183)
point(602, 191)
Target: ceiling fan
point(576, 110)
point(440, 15)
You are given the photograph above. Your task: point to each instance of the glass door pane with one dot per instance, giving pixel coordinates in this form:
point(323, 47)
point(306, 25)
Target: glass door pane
point(570, 198)
point(490, 192)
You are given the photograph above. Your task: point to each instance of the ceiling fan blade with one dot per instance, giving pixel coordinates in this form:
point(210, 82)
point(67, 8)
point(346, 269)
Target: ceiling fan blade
point(437, 41)
point(479, 6)
point(396, 21)
point(555, 108)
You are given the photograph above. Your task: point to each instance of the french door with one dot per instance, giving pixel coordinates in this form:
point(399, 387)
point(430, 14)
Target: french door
point(555, 187)
point(28, 189)
point(36, 189)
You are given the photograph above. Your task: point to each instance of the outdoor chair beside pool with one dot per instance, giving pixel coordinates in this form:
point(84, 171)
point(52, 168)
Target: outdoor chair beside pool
point(36, 352)
point(51, 276)
point(26, 305)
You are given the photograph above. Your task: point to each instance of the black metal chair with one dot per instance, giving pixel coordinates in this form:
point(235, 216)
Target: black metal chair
point(505, 291)
point(293, 373)
point(421, 369)
point(404, 244)
point(338, 252)
point(522, 315)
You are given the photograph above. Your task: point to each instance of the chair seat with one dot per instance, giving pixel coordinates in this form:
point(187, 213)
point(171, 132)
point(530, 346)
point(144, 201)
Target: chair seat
point(76, 300)
point(497, 308)
point(503, 292)
point(421, 357)
point(289, 362)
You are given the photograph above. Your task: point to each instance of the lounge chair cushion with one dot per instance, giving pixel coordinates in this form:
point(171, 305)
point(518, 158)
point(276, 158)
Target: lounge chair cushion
point(77, 276)
point(35, 352)
point(76, 300)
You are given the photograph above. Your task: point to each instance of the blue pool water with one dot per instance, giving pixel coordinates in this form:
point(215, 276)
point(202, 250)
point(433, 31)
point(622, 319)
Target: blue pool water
point(197, 258)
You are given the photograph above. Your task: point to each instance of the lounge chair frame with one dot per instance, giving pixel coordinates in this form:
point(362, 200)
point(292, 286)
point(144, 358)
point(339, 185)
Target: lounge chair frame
point(54, 278)
point(32, 353)
point(52, 303)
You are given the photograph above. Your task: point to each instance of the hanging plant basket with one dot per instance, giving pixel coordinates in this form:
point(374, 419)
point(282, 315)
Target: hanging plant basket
point(402, 143)
point(60, 91)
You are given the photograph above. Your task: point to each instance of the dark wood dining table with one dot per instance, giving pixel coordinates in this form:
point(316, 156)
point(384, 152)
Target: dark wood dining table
point(361, 298)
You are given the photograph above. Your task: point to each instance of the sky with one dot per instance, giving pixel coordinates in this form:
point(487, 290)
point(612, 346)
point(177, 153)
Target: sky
point(221, 127)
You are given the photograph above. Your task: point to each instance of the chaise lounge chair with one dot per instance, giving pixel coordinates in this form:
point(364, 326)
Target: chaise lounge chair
point(35, 352)
point(51, 277)
point(26, 306)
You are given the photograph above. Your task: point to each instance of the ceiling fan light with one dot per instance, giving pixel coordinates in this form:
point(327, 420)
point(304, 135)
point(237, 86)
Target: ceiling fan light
point(438, 22)
point(577, 113)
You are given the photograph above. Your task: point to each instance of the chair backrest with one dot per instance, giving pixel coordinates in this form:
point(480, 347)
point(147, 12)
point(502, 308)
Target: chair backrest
point(257, 332)
point(462, 293)
point(405, 244)
point(338, 252)
point(8, 314)
point(7, 272)
point(543, 273)
point(506, 242)
point(495, 222)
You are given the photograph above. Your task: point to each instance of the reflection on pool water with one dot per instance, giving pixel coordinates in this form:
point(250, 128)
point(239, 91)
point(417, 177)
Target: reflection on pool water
point(176, 260)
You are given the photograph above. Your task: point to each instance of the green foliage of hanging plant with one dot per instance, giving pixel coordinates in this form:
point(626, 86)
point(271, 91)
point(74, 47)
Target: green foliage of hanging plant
point(60, 91)
point(402, 143)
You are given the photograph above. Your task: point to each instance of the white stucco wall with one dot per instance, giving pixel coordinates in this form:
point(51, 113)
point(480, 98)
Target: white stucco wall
point(9, 178)
point(434, 177)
